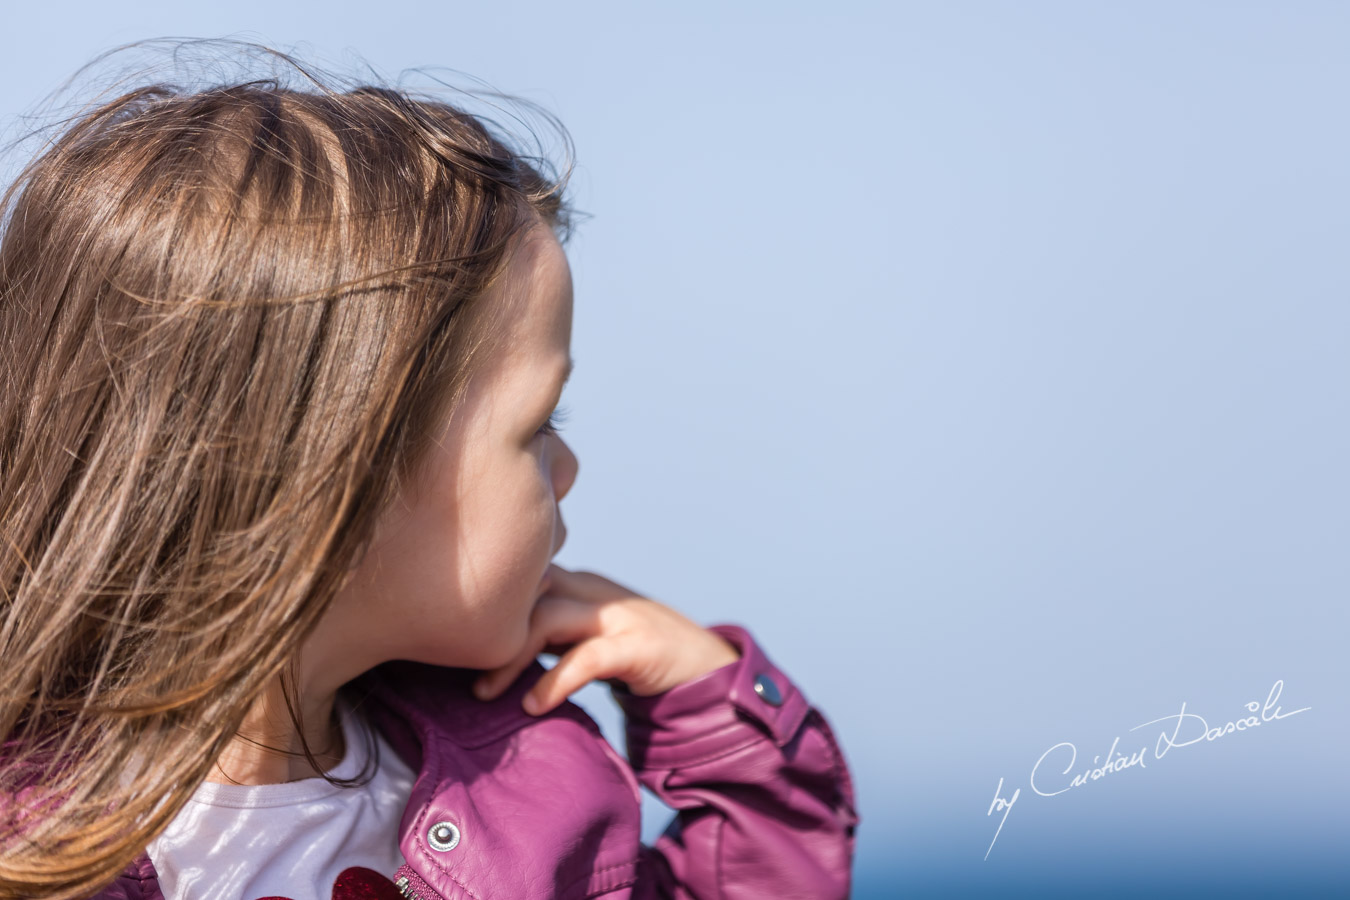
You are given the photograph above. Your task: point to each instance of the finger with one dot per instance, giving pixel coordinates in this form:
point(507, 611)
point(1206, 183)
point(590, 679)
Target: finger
point(586, 585)
point(555, 625)
point(594, 658)
point(494, 681)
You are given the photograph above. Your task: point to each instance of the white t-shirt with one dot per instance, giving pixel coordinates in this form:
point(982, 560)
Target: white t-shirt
point(242, 842)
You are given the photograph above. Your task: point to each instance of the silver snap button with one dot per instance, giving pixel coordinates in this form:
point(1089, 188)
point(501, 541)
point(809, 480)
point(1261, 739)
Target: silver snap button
point(767, 690)
point(443, 836)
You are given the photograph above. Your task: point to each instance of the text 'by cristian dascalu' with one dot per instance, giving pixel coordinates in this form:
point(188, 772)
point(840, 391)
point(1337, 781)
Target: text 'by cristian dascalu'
point(1048, 779)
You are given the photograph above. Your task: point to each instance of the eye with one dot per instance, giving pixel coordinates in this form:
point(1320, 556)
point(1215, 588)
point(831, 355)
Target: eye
point(555, 421)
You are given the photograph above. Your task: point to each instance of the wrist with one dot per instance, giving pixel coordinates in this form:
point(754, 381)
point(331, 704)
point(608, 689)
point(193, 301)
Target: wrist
point(729, 707)
point(721, 652)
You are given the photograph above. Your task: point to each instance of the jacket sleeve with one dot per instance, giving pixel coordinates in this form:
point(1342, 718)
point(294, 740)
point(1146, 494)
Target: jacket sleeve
point(763, 798)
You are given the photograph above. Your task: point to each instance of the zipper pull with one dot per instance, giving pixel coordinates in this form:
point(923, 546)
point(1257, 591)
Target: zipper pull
point(411, 886)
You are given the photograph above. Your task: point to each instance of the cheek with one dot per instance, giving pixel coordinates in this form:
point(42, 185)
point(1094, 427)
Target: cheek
point(456, 576)
point(507, 526)
point(512, 531)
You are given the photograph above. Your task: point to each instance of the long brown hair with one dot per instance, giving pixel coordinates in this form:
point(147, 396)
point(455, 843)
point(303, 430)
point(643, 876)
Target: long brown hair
point(229, 317)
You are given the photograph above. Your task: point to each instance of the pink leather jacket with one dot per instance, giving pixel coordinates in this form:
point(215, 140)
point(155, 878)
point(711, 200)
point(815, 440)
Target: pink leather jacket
point(507, 806)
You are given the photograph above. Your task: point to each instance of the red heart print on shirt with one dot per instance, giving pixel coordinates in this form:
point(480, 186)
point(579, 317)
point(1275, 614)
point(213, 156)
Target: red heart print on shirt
point(359, 883)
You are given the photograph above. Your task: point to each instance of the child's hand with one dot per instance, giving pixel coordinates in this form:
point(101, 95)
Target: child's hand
point(613, 634)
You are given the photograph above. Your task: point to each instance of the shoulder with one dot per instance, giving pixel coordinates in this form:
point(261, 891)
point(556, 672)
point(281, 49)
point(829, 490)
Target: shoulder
point(522, 792)
point(418, 702)
point(430, 717)
point(137, 882)
point(26, 795)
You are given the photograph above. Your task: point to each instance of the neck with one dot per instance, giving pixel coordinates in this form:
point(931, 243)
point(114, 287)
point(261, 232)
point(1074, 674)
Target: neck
point(269, 723)
point(338, 650)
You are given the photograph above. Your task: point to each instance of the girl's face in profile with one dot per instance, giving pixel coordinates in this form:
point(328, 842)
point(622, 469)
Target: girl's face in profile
point(458, 561)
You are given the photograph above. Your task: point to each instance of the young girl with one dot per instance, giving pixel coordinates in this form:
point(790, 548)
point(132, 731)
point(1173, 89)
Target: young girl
point(280, 477)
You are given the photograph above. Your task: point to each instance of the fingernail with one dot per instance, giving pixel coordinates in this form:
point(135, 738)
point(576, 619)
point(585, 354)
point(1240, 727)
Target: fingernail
point(531, 704)
point(480, 690)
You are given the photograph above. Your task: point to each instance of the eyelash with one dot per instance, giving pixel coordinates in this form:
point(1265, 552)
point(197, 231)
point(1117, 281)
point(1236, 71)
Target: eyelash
point(555, 421)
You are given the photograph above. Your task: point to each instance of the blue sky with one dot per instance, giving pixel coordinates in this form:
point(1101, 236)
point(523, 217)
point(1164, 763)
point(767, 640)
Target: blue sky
point(987, 360)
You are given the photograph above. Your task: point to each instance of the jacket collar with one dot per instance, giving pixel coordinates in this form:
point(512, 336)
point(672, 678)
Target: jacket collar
point(516, 828)
point(503, 793)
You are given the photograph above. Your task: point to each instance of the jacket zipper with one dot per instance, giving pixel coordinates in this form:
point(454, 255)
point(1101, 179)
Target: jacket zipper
point(411, 886)
point(402, 885)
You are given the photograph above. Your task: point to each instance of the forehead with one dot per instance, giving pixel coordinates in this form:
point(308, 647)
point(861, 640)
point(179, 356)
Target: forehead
point(536, 271)
point(532, 303)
